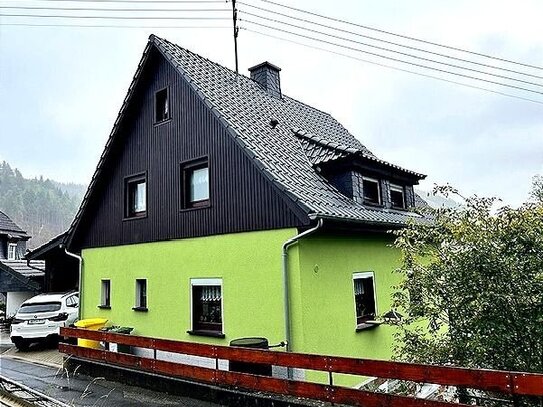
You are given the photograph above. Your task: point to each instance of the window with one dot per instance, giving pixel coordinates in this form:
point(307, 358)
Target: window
point(162, 108)
point(141, 295)
point(105, 300)
point(195, 179)
point(136, 196)
point(364, 297)
point(397, 196)
point(206, 307)
point(72, 301)
point(12, 251)
point(370, 188)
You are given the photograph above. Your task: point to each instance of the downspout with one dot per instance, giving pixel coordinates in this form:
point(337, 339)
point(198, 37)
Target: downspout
point(80, 260)
point(35, 268)
point(286, 245)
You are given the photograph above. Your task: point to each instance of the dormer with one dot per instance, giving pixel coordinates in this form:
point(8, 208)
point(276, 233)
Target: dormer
point(360, 175)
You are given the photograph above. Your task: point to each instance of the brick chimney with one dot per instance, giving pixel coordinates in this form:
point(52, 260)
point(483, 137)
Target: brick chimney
point(267, 75)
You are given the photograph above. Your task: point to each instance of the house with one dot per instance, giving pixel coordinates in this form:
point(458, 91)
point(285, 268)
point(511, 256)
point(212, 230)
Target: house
point(222, 208)
point(19, 279)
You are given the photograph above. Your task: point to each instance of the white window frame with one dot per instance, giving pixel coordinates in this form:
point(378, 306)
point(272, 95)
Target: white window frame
point(379, 199)
point(103, 292)
point(199, 282)
point(137, 302)
point(361, 275)
point(398, 188)
point(12, 255)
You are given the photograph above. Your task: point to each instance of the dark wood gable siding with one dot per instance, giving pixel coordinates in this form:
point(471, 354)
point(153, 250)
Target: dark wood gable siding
point(242, 199)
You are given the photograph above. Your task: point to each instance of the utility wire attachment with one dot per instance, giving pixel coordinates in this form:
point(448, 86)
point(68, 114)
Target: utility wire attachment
point(236, 32)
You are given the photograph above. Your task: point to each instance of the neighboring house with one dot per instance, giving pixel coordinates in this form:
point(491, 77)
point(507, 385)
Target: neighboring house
point(205, 177)
point(61, 270)
point(19, 279)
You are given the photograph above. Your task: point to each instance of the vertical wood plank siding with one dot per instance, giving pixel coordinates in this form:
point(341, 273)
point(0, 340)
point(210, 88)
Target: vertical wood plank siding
point(241, 198)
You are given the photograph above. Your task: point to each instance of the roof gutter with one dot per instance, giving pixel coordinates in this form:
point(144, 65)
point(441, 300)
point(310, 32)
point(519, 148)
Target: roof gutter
point(80, 260)
point(286, 293)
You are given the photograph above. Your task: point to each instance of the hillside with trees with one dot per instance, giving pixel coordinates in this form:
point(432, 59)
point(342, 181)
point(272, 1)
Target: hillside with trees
point(42, 207)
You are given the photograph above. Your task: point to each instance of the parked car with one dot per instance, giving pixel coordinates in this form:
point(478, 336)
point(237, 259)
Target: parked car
point(40, 318)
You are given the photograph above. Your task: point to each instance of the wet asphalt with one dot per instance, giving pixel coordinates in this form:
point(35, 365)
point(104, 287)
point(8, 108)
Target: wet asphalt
point(82, 390)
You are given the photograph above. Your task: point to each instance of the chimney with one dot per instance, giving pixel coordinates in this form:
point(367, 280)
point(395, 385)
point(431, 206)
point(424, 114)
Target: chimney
point(267, 76)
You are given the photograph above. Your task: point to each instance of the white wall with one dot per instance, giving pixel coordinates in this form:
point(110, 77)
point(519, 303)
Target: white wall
point(15, 299)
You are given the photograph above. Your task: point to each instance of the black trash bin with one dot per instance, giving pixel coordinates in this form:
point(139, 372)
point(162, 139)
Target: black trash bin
point(248, 367)
point(118, 347)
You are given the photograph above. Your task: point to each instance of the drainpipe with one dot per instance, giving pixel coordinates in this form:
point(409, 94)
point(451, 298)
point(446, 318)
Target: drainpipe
point(286, 245)
point(80, 260)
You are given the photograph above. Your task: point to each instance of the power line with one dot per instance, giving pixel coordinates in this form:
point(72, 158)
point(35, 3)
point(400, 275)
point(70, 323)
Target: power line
point(394, 59)
point(391, 50)
point(112, 9)
point(385, 41)
point(116, 17)
point(112, 26)
point(401, 36)
point(139, 1)
point(392, 67)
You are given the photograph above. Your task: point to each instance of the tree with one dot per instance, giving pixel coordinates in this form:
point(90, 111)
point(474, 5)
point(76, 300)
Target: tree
point(473, 287)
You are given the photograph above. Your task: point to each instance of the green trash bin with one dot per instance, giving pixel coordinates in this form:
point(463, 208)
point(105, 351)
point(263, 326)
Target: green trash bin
point(114, 347)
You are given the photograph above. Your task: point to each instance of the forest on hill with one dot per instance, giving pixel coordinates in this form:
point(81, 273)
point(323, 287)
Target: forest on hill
point(42, 207)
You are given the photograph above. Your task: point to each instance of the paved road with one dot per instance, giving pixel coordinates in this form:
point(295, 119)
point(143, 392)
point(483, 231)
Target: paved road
point(83, 390)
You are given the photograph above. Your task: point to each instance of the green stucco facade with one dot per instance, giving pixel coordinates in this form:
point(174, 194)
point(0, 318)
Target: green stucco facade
point(321, 285)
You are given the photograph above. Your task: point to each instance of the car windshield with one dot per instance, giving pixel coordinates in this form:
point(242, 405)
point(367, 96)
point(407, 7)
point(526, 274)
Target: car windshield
point(39, 307)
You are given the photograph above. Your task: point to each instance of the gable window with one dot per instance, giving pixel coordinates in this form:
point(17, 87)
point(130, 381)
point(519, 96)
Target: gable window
point(371, 191)
point(105, 294)
point(136, 196)
point(141, 295)
point(206, 306)
point(195, 179)
point(364, 297)
point(162, 108)
point(397, 196)
point(12, 251)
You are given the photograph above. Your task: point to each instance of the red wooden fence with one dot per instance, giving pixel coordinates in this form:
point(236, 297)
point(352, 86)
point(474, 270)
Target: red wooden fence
point(511, 383)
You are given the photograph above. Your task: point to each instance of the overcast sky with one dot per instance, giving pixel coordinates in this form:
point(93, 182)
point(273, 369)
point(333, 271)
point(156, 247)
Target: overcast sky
point(61, 88)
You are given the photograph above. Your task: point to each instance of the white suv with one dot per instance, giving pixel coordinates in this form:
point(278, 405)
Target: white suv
point(40, 318)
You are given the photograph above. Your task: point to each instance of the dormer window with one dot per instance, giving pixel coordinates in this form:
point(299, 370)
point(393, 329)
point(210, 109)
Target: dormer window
point(371, 191)
point(12, 251)
point(397, 196)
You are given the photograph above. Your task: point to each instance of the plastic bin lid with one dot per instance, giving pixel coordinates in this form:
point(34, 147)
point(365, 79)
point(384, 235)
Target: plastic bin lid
point(84, 323)
point(250, 342)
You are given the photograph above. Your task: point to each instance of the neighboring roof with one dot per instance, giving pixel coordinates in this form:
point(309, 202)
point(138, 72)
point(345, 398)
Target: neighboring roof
point(246, 109)
point(35, 269)
point(13, 281)
point(52, 244)
point(7, 226)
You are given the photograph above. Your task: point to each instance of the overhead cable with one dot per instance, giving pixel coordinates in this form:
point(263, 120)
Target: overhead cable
point(115, 26)
point(401, 35)
point(201, 10)
point(391, 67)
point(391, 50)
point(116, 17)
point(289, 16)
point(393, 59)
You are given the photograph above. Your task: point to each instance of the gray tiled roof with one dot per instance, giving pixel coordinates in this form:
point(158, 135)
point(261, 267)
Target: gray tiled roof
point(7, 225)
point(21, 267)
point(246, 109)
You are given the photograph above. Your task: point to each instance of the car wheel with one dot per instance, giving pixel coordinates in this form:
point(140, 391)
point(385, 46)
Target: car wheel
point(22, 345)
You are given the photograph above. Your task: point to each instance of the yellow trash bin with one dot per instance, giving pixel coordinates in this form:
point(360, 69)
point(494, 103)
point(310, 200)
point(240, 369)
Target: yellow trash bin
point(90, 323)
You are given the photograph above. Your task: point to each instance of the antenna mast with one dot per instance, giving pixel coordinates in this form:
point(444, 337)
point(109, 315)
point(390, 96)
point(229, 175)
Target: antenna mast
point(236, 31)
